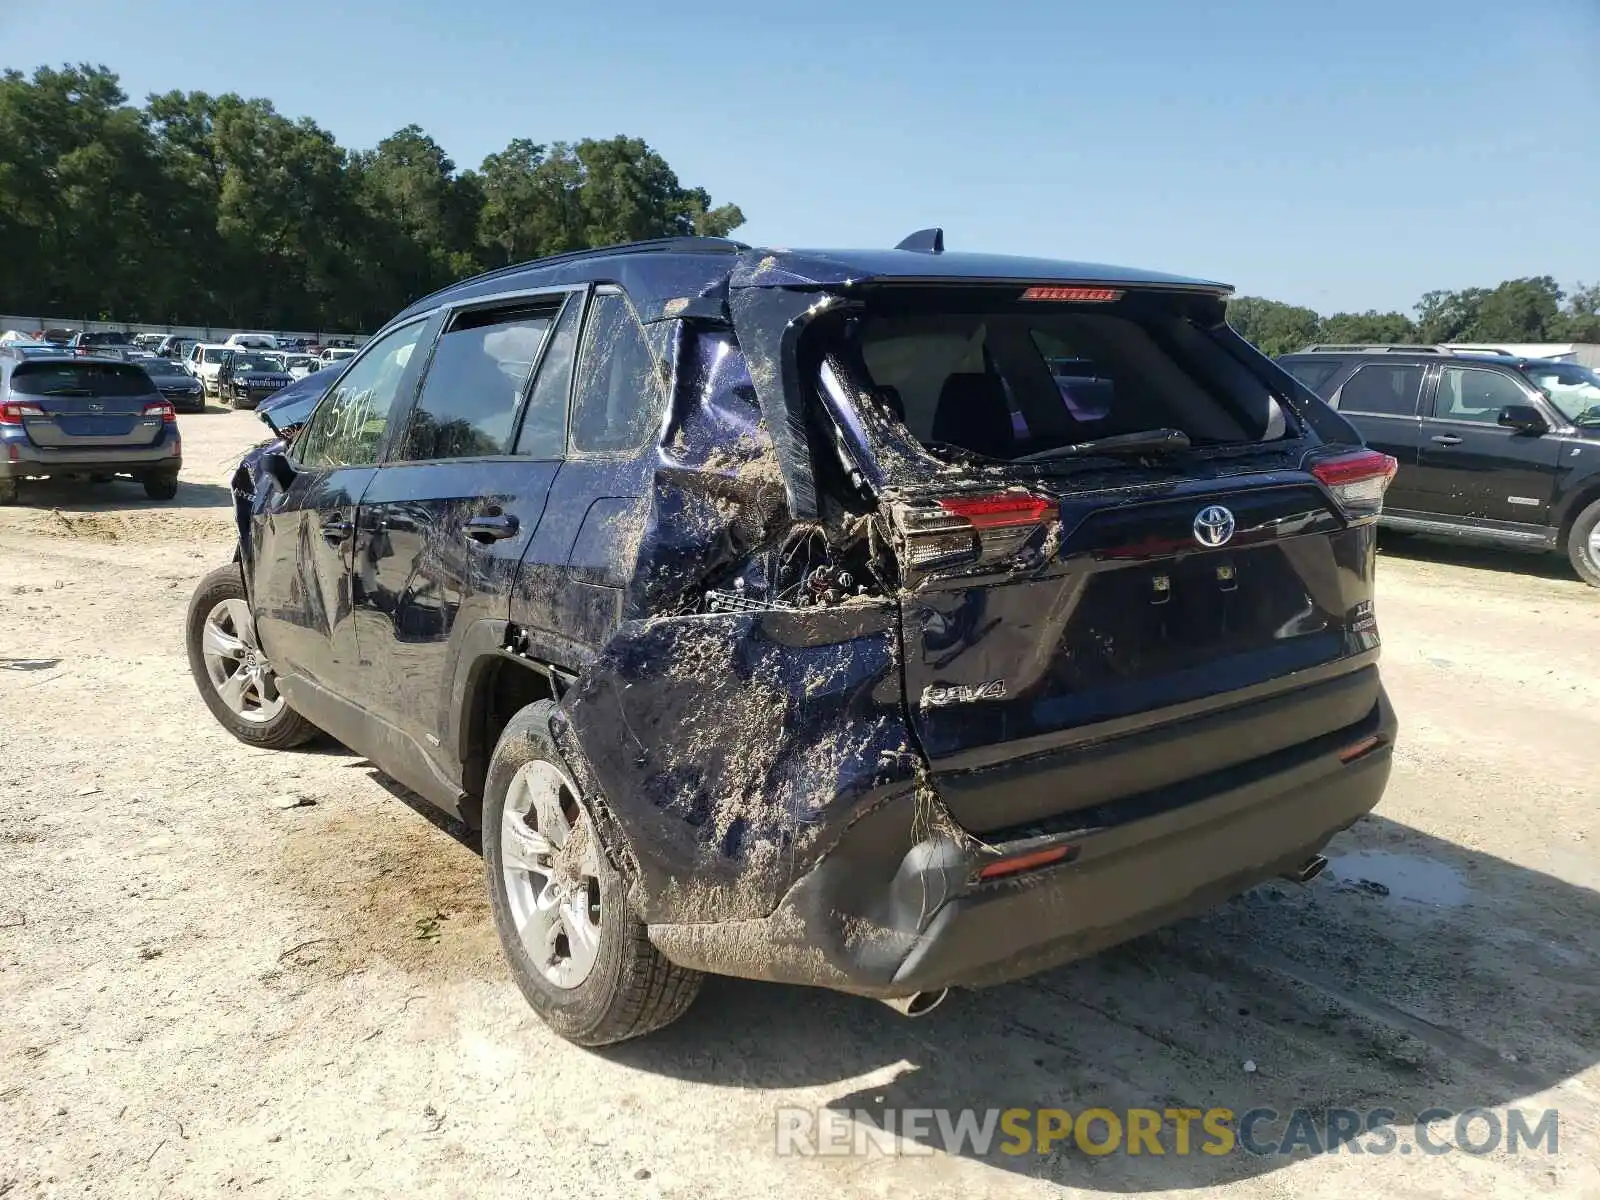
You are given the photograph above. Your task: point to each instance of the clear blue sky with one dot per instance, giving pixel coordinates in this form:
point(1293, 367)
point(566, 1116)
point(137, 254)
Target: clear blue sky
point(1343, 154)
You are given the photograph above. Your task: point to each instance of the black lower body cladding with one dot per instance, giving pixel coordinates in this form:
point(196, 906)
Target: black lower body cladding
point(893, 905)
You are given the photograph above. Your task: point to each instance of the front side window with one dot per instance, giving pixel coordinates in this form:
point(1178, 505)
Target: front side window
point(1573, 389)
point(616, 395)
point(1467, 394)
point(1382, 389)
point(347, 428)
point(468, 405)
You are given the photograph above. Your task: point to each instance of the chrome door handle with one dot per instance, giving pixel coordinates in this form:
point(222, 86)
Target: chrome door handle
point(1447, 439)
point(485, 528)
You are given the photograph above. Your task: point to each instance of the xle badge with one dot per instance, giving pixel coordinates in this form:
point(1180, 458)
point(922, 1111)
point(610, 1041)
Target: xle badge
point(937, 696)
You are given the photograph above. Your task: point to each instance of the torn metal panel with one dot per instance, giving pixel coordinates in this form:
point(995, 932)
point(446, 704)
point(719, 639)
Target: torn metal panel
point(732, 749)
point(769, 322)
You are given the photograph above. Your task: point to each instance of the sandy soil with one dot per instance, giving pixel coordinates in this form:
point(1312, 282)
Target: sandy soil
point(204, 993)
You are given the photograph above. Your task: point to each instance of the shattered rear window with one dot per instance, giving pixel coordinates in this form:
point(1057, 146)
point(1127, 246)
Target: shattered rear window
point(1009, 382)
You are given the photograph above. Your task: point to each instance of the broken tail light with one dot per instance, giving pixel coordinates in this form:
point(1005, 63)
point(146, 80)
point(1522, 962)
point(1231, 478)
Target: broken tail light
point(1357, 481)
point(978, 529)
point(162, 409)
point(12, 413)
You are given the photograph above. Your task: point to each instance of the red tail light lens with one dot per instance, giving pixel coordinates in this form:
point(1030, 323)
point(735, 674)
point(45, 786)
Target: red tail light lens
point(162, 409)
point(969, 530)
point(1357, 481)
point(1004, 511)
point(13, 412)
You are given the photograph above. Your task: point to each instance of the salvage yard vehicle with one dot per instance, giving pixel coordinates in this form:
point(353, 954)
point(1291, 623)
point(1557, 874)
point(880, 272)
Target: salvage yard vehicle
point(204, 360)
point(298, 366)
point(180, 388)
point(886, 621)
point(246, 378)
point(1492, 448)
point(72, 417)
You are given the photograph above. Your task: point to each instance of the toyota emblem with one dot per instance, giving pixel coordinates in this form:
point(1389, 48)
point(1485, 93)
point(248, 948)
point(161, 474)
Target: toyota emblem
point(1213, 526)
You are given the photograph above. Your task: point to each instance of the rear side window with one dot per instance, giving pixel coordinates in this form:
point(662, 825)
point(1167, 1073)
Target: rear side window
point(468, 406)
point(1314, 373)
point(1382, 389)
point(616, 396)
point(79, 379)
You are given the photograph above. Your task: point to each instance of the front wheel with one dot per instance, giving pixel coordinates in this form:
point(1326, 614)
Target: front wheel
point(575, 947)
point(234, 677)
point(1583, 544)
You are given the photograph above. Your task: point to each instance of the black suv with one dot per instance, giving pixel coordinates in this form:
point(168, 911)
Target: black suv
point(879, 620)
point(1491, 447)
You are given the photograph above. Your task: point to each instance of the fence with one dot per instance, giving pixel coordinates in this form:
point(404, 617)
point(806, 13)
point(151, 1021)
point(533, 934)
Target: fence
point(200, 333)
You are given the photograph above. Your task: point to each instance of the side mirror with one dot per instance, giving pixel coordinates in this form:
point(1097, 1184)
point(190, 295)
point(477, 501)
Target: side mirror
point(280, 468)
point(1524, 418)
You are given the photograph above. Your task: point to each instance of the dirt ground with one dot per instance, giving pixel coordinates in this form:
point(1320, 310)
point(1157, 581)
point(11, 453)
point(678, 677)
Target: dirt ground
point(204, 993)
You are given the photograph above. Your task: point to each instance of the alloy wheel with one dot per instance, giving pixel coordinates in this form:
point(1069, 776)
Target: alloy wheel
point(235, 664)
point(551, 867)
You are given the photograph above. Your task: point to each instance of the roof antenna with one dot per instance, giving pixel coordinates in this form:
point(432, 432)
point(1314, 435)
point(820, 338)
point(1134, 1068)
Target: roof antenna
point(927, 241)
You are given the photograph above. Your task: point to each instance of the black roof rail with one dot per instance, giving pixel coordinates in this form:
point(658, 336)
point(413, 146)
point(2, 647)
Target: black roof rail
point(688, 244)
point(1373, 348)
point(928, 241)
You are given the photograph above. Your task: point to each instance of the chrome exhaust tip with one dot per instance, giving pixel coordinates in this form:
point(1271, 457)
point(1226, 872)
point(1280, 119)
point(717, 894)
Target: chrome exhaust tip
point(918, 1004)
point(1308, 870)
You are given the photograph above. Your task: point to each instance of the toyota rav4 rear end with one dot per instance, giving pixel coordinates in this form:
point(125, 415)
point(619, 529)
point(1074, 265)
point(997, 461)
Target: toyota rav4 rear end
point(1072, 633)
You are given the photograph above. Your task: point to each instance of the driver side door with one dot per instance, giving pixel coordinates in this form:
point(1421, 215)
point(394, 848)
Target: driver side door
point(303, 539)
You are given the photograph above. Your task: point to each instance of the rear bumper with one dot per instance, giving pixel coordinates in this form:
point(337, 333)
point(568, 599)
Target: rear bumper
point(884, 915)
point(20, 457)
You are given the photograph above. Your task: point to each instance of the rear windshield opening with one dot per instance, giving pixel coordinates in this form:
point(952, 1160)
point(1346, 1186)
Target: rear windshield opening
point(1027, 379)
point(78, 379)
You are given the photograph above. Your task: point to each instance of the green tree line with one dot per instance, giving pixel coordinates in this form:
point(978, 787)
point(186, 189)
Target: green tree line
point(220, 210)
point(1518, 310)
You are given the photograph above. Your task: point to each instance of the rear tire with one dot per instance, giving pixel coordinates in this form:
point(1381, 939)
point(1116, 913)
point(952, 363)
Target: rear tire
point(283, 729)
point(161, 487)
point(1583, 545)
point(627, 989)
point(8, 491)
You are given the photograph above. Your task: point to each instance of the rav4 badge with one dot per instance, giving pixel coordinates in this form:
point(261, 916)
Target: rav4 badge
point(938, 695)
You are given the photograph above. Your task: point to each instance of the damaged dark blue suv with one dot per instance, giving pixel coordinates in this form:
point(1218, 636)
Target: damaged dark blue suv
point(880, 620)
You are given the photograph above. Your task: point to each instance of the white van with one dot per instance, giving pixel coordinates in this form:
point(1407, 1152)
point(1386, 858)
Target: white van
point(252, 341)
point(205, 360)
